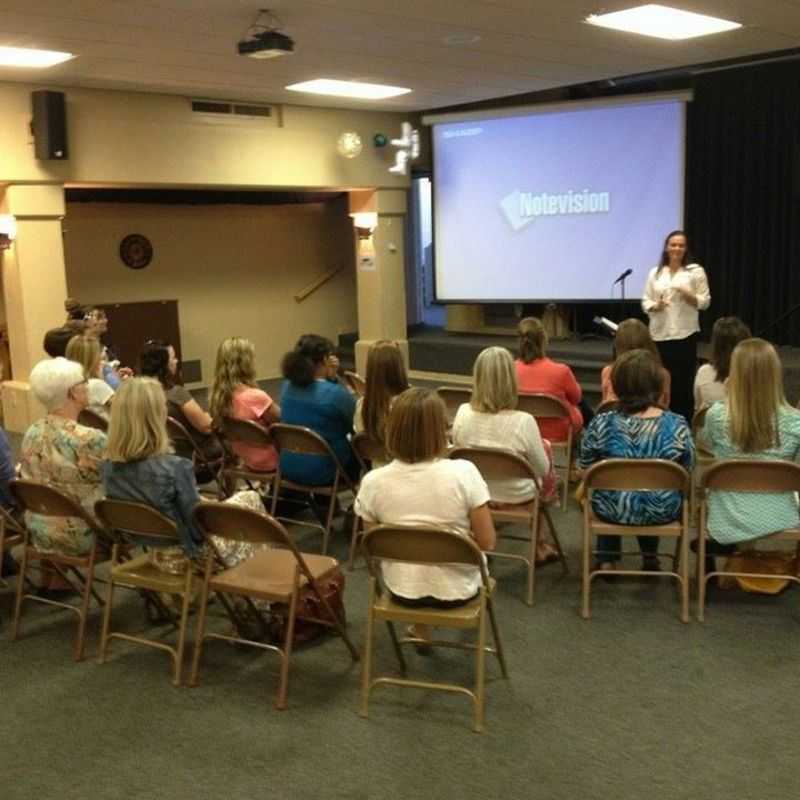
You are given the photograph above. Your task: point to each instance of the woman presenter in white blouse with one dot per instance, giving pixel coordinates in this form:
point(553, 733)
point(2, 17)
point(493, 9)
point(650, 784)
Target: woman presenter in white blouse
point(675, 292)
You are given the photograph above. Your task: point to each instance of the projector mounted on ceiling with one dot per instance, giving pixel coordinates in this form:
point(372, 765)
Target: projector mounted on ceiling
point(264, 40)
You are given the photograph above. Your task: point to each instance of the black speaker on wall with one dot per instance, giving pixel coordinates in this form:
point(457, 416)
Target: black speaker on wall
point(49, 125)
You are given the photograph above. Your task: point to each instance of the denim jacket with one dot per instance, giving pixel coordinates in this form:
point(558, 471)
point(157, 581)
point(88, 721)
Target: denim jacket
point(165, 482)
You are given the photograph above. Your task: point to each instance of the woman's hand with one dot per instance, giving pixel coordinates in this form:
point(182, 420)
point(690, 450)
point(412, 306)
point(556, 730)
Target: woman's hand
point(688, 295)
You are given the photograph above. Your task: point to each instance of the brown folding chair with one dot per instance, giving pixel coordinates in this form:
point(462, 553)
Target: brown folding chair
point(91, 419)
point(180, 435)
point(366, 450)
point(280, 574)
point(495, 464)
point(734, 475)
point(355, 383)
point(242, 431)
point(650, 474)
point(127, 521)
point(546, 406)
point(433, 546)
point(300, 440)
point(12, 533)
point(453, 397)
point(46, 501)
point(704, 458)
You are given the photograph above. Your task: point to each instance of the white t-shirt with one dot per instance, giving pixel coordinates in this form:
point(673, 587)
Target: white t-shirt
point(512, 430)
point(707, 389)
point(679, 319)
point(440, 493)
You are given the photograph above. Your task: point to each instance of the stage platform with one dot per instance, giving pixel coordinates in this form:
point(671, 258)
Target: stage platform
point(438, 356)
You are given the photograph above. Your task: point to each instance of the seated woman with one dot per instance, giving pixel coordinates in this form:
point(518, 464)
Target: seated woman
point(386, 379)
point(236, 394)
point(141, 468)
point(633, 334)
point(87, 352)
point(490, 419)
point(421, 486)
point(709, 382)
point(157, 360)
point(755, 422)
point(311, 397)
point(56, 450)
point(637, 428)
point(537, 374)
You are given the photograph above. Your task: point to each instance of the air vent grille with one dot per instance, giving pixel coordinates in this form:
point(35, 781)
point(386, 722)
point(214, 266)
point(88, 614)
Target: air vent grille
point(230, 109)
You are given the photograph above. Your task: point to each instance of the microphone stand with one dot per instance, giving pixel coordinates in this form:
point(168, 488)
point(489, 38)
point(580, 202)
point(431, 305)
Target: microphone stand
point(622, 299)
point(781, 318)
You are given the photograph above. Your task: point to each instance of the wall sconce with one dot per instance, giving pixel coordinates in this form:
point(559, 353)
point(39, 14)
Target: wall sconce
point(8, 230)
point(365, 223)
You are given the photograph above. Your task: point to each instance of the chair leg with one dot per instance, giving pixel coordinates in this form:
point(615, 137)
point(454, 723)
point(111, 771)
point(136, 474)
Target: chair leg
point(283, 686)
point(337, 623)
point(187, 596)
point(20, 596)
point(480, 668)
point(701, 572)
point(554, 533)
point(366, 664)
point(684, 573)
point(83, 614)
point(200, 632)
point(329, 517)
point(398, 651)
point(498, 645)
point(107, 614)
point(586, 585)
point(351, 560)
point(534, 546)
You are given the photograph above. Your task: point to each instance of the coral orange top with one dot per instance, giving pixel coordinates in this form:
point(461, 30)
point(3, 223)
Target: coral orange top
point(544, 376)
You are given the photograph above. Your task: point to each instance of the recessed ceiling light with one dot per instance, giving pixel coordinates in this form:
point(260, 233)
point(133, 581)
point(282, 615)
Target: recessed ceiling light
point(28, 57)
point(457, 39)
point(361, 91)
point(662, 21)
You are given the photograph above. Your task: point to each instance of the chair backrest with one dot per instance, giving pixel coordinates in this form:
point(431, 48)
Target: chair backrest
point(545, 406)
point(637, 474)
point(298, 439)
point(229, 521)
point(137, 519)
point(421, 545)
point(356, 383)
point(39, 498)
point(91, 419)
point(699, 419)
point(739, 475)
point(454, 396)
point(246, 431)
point(368, 450)
point(609, 405)
point(495, 464)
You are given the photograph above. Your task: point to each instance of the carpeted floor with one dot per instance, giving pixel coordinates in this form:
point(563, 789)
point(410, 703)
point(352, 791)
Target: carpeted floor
point(628, 705)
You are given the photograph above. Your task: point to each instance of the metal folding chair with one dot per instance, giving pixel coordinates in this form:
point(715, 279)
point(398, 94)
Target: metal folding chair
point(241, 431)
point(366, 450)
point(453, 397)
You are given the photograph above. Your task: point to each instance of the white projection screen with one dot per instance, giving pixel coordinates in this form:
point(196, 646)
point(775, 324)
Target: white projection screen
point(554, 204)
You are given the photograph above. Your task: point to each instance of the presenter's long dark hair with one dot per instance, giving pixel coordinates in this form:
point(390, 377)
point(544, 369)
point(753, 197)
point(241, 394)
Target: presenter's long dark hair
point(688, 258)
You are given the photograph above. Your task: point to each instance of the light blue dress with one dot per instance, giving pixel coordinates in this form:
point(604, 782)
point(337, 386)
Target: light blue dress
point(740, 516)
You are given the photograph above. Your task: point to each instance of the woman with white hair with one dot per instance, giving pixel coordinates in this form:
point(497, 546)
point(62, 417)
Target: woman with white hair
point(491, 419)
point(56, 450)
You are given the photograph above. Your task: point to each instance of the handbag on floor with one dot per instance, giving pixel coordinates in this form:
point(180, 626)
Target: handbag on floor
point(309, 609)
point(765, 561)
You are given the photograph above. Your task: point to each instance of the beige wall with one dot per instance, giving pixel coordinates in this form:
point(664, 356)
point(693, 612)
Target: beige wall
point(233, 269)
point(150, 139)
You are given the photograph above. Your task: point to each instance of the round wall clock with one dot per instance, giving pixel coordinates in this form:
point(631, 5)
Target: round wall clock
point(136, 251)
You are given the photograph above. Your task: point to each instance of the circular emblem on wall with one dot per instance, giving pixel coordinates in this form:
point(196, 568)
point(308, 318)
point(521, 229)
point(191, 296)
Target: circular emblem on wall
point(136, 251)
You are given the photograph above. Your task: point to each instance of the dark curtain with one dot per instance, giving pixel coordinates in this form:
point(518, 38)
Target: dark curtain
point(743, 197)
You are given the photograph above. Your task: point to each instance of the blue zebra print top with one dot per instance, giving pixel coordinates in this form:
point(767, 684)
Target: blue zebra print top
point(617, 435)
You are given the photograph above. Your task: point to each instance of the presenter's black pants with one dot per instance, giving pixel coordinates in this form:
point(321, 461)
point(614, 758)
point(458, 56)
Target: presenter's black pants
point(679, 357)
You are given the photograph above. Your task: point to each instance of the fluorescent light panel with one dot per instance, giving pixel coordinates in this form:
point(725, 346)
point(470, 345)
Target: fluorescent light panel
point(361, 91)
point(28, 57)
point(662, 21)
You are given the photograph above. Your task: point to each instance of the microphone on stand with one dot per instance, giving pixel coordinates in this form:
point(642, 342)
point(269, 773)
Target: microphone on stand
point(622, 277)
